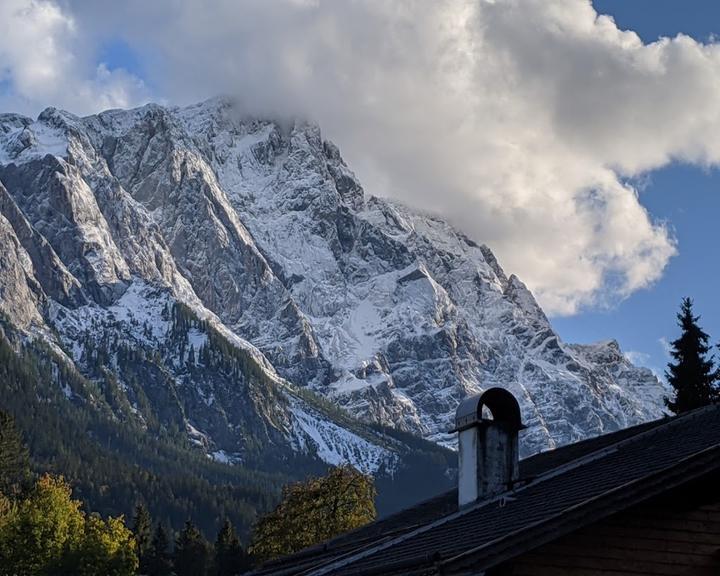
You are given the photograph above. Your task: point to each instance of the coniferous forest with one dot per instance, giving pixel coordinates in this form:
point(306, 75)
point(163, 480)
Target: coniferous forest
point(114, 475)
point(153, 504)
point(44, 530)
point(112, 465)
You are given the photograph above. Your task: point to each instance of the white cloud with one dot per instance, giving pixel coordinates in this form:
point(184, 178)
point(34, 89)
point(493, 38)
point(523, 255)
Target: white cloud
point(666, 347)
point(644, 359)
point(637, 357)
point(46, 60)
point(520, 120)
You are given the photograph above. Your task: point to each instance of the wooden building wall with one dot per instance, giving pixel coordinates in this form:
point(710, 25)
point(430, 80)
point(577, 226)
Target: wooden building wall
point(678, 535)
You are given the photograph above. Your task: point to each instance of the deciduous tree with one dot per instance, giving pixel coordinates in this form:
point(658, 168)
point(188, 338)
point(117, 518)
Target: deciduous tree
point(314, 511)
point(43, 531)
point(46, 532)
point(107, 548)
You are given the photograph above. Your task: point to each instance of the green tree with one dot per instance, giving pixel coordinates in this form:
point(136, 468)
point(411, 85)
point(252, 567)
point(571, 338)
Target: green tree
point(142, 529)
point(108, 548)
point(47, 533)
point(229, 555)
point(314, 511)
point(159, 560)
point(192, 552)
point(692, 372)
point(6, 516)
point(42, 532)
point(14, 461)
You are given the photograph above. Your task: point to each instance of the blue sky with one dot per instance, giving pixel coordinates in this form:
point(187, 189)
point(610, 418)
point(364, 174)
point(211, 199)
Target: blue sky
point(116, 53)
point(686, 197)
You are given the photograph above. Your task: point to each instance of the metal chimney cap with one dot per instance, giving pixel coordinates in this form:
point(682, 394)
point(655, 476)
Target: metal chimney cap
point(502, 404)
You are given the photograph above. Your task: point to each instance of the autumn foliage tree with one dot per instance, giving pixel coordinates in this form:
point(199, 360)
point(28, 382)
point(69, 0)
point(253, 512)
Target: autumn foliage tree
point(46, 532)
point(107, 548)
point(43, 531)
point(314, 511)
point(40, 533)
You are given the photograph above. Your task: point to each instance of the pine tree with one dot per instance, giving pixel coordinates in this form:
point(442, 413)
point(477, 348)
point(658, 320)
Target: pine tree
point(142, 529)
point(159, 562)
point(14, 460)
point(229, 555)
point(192, 552)
point(692, 373)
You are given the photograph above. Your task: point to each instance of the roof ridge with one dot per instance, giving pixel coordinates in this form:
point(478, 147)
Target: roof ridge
point(572, 465)
point(669, 422)
point(329, 543)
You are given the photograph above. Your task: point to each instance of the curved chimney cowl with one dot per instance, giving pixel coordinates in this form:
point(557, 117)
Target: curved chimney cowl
point(488, 452)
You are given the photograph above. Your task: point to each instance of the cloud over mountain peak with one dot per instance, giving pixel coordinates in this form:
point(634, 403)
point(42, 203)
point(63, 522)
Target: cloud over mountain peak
point(524, 123)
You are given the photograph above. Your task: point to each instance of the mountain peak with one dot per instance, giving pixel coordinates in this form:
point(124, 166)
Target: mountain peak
point(261, 229)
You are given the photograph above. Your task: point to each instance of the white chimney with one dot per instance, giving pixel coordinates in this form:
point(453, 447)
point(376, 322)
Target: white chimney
point(487, 446)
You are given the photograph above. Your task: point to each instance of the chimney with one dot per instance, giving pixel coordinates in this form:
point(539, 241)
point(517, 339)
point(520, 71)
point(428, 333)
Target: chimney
point(487, 446)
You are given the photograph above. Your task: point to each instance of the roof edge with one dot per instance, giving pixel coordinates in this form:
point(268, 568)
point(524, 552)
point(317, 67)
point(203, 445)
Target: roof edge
point(594, 509)
point(581, 461)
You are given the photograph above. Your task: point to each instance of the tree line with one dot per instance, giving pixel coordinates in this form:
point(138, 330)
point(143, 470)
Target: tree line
point(45, 532)
point(191, 555)
point(114, 463)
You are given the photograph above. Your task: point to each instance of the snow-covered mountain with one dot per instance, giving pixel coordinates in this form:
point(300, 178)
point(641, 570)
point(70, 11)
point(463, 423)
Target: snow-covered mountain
point(170, 235)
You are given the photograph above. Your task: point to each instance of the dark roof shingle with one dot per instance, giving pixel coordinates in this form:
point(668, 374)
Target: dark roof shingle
point(554, 486)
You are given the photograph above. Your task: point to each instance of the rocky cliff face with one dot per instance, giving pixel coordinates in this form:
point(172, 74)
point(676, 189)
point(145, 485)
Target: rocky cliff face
point(262, 232)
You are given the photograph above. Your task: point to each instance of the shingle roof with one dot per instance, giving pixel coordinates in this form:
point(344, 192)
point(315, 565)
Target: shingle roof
point(559, 490)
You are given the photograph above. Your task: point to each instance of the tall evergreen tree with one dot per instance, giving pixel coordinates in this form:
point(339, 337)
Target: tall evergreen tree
point(692, 372)
point(229, 555)
point(159, 562)
point(192, 552)
point(14, 460)
point(142, 529)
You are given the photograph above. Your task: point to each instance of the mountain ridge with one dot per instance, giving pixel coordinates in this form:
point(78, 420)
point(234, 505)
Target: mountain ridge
point(262, 230)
